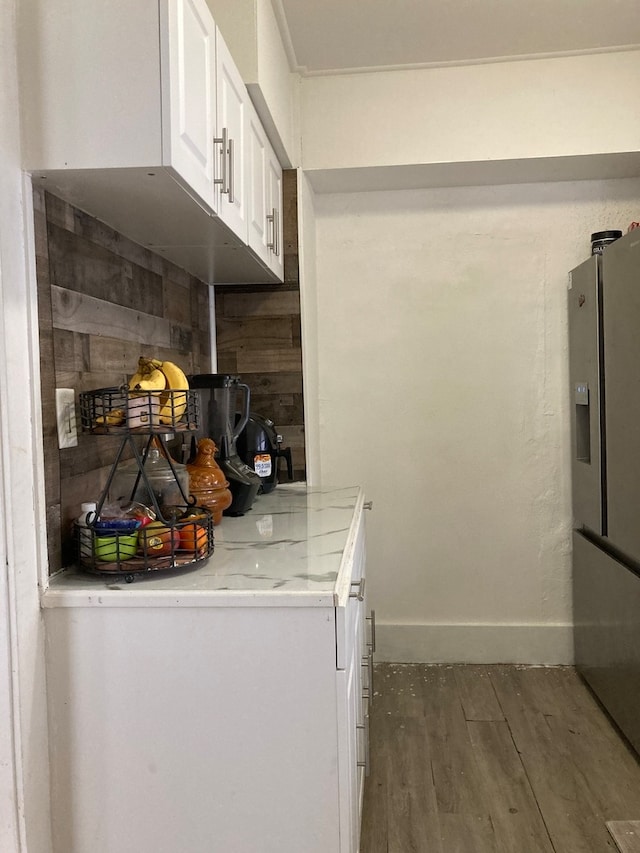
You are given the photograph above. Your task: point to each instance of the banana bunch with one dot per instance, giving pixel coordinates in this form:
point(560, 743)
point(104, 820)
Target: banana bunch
point(167, 380)
point(148, 377)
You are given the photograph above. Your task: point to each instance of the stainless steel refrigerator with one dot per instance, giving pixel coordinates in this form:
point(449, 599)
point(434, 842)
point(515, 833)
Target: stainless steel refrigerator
point(604, 368)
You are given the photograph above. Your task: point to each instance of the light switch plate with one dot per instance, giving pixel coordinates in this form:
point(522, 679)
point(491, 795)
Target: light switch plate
point(66, 417)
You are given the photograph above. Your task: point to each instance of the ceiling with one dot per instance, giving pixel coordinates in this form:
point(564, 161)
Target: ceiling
point(339, 36)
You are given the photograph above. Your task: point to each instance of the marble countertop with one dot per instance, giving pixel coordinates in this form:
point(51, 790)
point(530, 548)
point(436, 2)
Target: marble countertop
point(291, 548)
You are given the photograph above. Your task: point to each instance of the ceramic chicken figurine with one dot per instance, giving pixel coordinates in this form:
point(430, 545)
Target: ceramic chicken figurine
point(207, 482)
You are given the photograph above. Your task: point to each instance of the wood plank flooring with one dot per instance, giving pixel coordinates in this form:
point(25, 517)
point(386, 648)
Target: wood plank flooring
point(626, 834)
point(494, 759)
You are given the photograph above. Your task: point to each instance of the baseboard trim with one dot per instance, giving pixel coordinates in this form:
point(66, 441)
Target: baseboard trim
point(547, 644)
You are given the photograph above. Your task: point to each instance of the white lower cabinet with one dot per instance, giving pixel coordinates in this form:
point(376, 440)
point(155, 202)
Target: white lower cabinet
point(185, 724)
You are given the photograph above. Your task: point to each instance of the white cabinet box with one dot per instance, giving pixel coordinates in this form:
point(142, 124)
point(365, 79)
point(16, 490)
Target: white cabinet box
point(136, 114)
point(224, 709)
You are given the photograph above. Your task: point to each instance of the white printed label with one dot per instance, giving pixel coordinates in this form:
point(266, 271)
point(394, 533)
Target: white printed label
point(262, 464)
point(143, 411)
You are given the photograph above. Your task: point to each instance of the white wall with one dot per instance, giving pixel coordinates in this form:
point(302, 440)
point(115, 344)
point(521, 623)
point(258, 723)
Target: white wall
point(307, 264)
point(24, 773)
point(442, 386)
point(580, 105)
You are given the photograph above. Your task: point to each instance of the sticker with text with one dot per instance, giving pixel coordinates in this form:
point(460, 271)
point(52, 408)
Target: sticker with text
point(262, 464)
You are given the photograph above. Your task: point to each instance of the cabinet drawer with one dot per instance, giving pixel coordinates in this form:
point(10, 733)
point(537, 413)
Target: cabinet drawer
point(357, 593)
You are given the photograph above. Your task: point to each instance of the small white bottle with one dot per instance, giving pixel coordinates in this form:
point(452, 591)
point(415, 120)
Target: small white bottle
point(84, 533)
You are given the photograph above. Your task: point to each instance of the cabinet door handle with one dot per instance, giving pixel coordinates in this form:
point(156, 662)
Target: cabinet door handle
point(276, 232)
point(372, 620)
point(271, 218)
point(364, 664)
point(231, 170)
point(367, 751)
point(370, 676)
point(368, 505)
point(224, 141)
point(365, 729)
point(359, 592)
point(367, 689)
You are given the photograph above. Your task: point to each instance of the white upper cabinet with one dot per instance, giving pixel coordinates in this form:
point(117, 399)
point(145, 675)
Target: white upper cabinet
point(232, 103)
point(264, 197)
point(274, 212)
point(137, 114)
point(254, 37)
point(188, 69)
point(257, 186)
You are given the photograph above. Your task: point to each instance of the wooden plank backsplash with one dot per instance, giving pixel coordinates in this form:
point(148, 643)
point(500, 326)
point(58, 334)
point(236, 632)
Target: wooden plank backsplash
point(102, 302)
point(258, 337)
point(80, 313)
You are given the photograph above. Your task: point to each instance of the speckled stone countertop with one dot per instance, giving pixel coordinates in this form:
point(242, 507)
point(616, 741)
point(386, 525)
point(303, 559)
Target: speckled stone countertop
point(291, 549)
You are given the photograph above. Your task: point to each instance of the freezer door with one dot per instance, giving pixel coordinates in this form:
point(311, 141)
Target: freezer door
point(584, 374)
point(606, 603)
point(621, 312)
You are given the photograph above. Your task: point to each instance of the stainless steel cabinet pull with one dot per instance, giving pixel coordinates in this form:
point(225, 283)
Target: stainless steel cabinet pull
point(276, 232)
point(271, 219)
point(224, 141)
point(366, 763)
point(371, 676)
point(231, 170)
point(359, 593)
point(372, 620)
point(364, 664)
point(367, 753)
point(367, 688)
point(368, 504)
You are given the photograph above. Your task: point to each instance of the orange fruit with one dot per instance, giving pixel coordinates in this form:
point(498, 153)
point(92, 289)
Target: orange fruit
point(158, 540)
point(193, 537)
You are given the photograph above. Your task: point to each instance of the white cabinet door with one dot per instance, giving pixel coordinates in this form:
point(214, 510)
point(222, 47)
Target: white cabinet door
point(259, 229)
point(274, 213)
point(232, 101)
point(354, 688)
point(352, 734)
point(189, 94)
point(264, 177)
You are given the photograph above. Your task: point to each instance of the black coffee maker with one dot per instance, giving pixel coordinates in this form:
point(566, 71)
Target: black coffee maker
point(259, 445)
point(220, 396)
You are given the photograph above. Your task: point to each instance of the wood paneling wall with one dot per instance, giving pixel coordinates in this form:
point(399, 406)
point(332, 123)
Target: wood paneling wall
point(103, 301)
point(258, 338)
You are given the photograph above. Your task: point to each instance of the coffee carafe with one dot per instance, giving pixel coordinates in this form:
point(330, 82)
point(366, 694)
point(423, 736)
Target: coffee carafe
point(221, 396)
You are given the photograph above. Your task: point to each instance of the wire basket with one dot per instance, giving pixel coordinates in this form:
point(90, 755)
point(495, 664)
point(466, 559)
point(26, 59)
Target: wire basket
point(118, 411)
point(159, 546)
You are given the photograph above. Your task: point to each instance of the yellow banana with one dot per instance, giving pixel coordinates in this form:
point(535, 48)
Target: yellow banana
point(149, 377)
point(115, 417)
point(173, 404)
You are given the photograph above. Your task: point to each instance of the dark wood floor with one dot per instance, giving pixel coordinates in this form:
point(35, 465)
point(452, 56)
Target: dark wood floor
point(493, 759)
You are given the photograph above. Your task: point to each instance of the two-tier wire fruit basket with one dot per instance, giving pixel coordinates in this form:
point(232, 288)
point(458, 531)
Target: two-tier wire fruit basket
point(143, 539)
